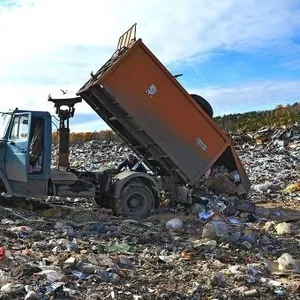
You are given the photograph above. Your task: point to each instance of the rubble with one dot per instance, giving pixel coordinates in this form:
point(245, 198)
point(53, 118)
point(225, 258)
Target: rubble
point(222, 247)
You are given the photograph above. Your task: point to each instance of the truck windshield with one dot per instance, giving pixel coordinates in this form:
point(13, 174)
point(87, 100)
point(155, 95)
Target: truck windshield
point(4, 122)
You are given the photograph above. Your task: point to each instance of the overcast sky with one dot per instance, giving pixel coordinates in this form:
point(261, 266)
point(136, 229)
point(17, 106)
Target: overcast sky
point(240, 55)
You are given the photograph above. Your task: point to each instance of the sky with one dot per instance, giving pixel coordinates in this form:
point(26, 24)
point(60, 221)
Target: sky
point(239, 55)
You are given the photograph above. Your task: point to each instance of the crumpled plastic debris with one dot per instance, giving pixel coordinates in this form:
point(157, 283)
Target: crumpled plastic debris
point(174, 224)
point(205, 215)
point(12, 289)
point(284, 228)
point(215, 229)
point(32, 295)
point(119, 247)
point(285, 264)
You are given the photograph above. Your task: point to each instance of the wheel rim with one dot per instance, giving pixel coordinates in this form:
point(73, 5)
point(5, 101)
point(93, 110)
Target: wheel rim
point(135, 202)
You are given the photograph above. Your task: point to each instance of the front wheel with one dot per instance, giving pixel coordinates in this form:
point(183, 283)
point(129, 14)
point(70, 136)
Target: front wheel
point(136, 200)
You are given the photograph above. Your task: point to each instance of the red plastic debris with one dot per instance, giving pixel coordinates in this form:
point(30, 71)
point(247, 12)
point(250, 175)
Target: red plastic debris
point(2, 253)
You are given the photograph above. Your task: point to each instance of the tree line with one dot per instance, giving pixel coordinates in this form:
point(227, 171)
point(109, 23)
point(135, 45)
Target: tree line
point(83, 137)
point(243, 122)
point(254, 120)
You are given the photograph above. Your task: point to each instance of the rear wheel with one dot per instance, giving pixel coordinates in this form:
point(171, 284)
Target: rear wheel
point(203, 104)
point(136, 200)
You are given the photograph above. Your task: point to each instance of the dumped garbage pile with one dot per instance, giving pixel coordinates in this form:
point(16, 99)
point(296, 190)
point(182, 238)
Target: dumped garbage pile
point(48, 254)
point(279, 137)
point(222, 247)
point(94, 155)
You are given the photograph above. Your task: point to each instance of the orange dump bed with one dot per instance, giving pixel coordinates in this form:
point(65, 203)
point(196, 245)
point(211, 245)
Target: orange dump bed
point(138, 97)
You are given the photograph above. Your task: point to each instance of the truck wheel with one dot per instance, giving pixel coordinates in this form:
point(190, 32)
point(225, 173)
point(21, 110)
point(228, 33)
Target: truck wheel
point(203, 104)
point(136, 200)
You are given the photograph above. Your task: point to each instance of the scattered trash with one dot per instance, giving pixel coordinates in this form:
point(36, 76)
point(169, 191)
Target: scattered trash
point(118, 247)
point(285, 264)
point(167, 259)
point(32, 295)
point(280, 292)
point(2, 253)
point(51, 275)
point(284, 228)
point(205, 215)
point(12, 289)
point(234, 221)
point(222, 184)
point(215, 229)
point(292, 188)
point(78, 274)
point(251, 293)
point(223, 244)
point(218, 280)
point(174, 224)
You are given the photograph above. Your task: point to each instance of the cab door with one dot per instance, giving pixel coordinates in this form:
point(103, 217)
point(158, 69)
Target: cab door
point(16, 157)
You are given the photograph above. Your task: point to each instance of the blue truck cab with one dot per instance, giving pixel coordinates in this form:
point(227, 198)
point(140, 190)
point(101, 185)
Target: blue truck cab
point(25, 152)
point(25, 170)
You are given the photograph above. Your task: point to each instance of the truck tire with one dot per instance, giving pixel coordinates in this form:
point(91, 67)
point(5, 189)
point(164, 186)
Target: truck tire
point(203, 104)
point(136, 200)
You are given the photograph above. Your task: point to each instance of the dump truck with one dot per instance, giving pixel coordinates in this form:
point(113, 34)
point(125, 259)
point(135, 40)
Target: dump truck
point(170, 130)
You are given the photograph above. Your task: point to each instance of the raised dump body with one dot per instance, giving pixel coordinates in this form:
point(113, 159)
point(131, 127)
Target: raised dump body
point(140, 100)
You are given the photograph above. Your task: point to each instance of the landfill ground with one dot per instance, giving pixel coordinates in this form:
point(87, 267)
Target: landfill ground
point(223, 247)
